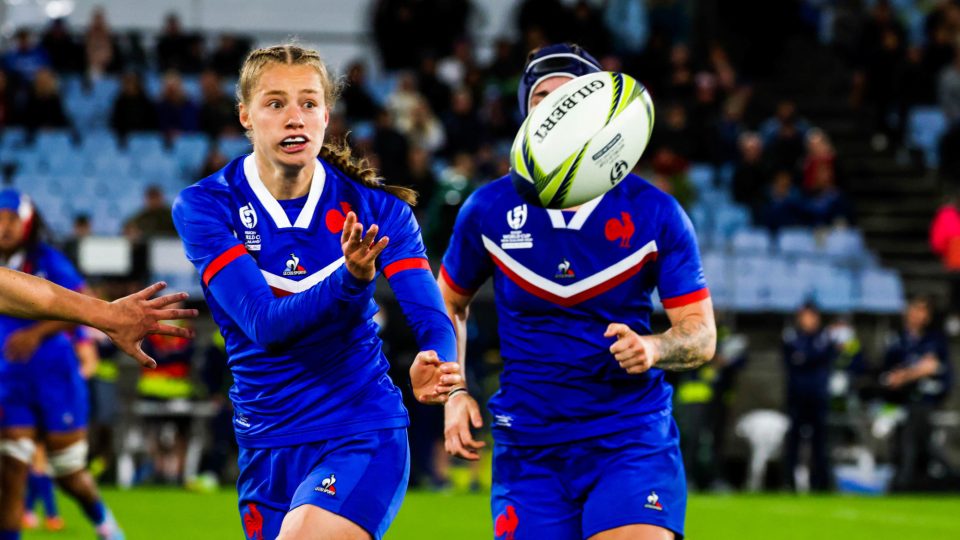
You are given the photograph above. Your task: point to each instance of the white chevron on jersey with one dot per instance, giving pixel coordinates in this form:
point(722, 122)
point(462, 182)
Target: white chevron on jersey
point(288, 285)
point(577, 291)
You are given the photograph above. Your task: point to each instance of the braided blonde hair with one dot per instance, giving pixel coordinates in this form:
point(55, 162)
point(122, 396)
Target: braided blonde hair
point(337, 154)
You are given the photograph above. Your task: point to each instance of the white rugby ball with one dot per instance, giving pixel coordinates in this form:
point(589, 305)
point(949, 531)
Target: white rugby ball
point(581, 140)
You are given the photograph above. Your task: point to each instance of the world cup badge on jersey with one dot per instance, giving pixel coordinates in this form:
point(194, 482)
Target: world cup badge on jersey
point(516, 238)
point(248, 216)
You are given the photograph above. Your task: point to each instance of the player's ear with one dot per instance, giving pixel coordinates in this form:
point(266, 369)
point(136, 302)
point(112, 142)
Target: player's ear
point(244, 116)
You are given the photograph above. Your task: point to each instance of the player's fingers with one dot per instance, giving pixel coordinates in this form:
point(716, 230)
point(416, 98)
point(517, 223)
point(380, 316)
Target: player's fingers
point(628, 354)
point(151, 290)
point(451, 379)
point(142, 357)
point(174, 314)
point(620, 345)
point(167, 299)
point(348, 224)
point(377, 248)
point(467, 440)
point(616, 329)
point(428, 357)
point(371, 235)
point(449, 367)
point(475, 417)
point(170, 330)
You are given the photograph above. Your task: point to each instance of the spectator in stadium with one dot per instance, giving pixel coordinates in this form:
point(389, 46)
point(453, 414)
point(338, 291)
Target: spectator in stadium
point(24, 60)
point(826, 205)
point(301, 429)
point(357, 103)
point(917, 375)
point(44, 107)
point(6, 101)
point(820, 154)
point(173, 45)
point(213, 162)
point(674, 133)
point(585, 445)
point(39, 355)
point(751, 173)
point(434, 90)
point(58, 41)
point(945, 235)
point(422, 179)
point(99, 45)
point(808, 356)
point(461, 124)
point(784, 206)
point(422, 128)
point(153, 219)
point(390, 146)
point(176, 111)
point(404, 98)
point(217, 110)
point(228, 56)
point(133, 110)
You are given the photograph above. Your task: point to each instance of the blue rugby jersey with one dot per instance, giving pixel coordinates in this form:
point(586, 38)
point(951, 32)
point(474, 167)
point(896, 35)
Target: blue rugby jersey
point(300, 338)
point(560, 278)
point(48, 263)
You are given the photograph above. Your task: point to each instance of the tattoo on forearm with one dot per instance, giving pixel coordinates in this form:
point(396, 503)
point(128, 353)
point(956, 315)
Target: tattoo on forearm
point(684, 346)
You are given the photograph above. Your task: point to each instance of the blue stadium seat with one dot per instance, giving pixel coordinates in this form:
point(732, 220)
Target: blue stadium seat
point(234, 146)
point(168, 262)
point(112, 165)
point(12, 139)
point(844, 245)
point(751, 241)
point(925, 127)
point(140, 143)
point(54, 141)
point(730, 218)
point(99, 142)
point(701, 176)
point(750, 283)
point(190, 149)
point(159, 169)
point(718, 278)
point(881, 291)
point(796, 241)
point(834, 291)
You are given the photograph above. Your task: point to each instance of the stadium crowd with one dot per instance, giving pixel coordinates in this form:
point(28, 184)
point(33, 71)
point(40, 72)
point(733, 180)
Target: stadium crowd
point(439, 119)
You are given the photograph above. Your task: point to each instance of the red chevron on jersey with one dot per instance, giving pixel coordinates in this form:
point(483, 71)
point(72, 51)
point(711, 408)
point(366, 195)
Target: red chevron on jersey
point(571, 294)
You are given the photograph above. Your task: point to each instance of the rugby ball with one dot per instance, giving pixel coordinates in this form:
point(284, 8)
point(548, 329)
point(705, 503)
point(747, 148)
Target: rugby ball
point(581, 140)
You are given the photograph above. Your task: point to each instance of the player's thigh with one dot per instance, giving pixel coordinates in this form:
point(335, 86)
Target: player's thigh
point(530, 496)
point(640, 482)
point(308, 522)
point(65, 406)
point(635, 532)
point(362, 478)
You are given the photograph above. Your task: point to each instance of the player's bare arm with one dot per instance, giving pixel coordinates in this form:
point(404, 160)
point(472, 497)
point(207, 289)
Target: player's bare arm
point(126, 321)
point(461, 411)
point(689, 343)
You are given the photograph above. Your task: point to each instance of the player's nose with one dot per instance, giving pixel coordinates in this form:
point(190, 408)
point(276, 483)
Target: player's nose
point(296, 118)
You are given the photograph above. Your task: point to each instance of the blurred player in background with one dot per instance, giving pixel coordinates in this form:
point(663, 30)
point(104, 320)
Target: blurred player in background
point(288, 272)
point(42, 393)
point(585, 443)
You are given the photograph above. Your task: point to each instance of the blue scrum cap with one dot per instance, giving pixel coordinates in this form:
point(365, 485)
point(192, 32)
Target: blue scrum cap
point(563, 59)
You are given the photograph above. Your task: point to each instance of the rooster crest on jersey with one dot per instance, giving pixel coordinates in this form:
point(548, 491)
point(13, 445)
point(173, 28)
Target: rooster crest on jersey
point(327, 485)
point(293, 267)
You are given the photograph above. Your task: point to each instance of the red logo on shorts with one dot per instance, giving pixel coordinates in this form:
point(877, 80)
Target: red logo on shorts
point(507, 523)
point(335, 218)
point(253, 523)
point(620, 230)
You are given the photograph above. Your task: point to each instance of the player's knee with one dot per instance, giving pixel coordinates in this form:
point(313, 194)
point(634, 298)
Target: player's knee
point(21, 449)
point(69, 460)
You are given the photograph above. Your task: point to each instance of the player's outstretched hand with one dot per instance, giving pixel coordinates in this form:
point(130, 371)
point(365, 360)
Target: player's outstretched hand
point(359, 250)
point(432, 379)
point(635, 353)
point(461, 412)
point(132, 317)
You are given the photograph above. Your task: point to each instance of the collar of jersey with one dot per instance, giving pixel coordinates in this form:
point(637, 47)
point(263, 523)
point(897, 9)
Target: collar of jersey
point(559, 220)
point(273, 207)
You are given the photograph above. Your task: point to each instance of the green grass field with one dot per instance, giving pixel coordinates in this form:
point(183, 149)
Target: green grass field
point(149, 514)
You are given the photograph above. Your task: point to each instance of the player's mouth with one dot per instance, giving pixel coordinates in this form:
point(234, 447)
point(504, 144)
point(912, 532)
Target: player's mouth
point(294, 143)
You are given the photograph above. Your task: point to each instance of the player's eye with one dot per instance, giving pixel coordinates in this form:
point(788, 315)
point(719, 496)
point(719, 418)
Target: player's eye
point(274, 104)
point(310, 105)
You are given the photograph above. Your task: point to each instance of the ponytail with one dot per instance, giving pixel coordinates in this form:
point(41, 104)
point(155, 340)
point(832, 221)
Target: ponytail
point(340, 156)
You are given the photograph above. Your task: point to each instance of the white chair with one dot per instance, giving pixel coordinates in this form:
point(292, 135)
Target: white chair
point(764, 431)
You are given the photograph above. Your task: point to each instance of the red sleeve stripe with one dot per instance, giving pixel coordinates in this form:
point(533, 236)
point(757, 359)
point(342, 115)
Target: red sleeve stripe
point(415, 263)
point(450, 283)
point(221, 261)
point(686, 299)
